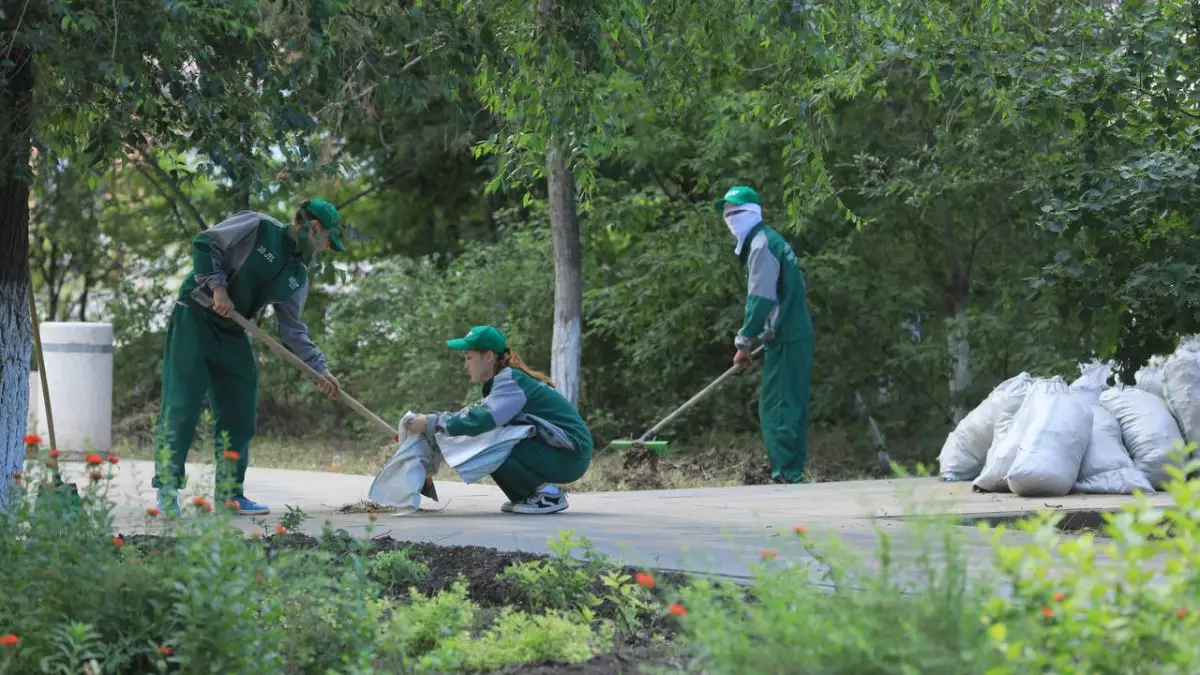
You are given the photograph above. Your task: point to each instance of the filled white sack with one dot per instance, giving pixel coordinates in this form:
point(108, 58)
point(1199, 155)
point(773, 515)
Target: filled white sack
point(1107, 468)
point(966, 448)
point(1148, 378)
point(1009, 428)
point(1052, 445)
point(1181, 388)
point(1148, 430)
point(1092, 381)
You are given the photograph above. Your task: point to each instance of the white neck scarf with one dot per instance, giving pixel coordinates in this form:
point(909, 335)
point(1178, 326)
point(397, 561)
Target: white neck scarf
point(740, 224)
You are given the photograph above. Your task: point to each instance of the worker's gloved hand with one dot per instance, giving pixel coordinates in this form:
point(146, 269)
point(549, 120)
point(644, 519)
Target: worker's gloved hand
point(330, 385)
point(742, 359)
point(221, 303)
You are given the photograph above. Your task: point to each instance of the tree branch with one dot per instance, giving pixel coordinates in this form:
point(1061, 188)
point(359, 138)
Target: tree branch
point(176, 195)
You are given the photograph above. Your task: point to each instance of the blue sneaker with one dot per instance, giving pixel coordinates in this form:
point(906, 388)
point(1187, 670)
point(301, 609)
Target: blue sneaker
point(249, 507)
point(168, 502)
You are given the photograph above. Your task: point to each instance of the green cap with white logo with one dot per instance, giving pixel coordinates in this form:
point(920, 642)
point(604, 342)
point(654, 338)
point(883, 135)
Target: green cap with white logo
point(327, 214)
point(482, 338)
point(738, 194)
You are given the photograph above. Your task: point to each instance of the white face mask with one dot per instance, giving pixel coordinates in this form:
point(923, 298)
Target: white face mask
point(743, 220)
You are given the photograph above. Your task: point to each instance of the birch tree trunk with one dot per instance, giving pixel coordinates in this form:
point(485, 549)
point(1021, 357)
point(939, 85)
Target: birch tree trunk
point(567, 342)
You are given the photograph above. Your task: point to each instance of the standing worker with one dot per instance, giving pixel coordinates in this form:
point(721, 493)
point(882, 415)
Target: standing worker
point(777, 314)
point(514, 394)
point(246, 262)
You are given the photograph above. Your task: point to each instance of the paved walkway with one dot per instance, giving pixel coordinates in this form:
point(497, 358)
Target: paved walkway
point(707, 530)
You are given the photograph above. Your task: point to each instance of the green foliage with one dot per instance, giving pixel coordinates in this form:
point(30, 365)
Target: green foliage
point(398, 569)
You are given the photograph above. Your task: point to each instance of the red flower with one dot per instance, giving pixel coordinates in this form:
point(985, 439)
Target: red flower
point(113, 459)
point(93, 459)
point(231, 504)
point(1181, 612)
point(164, 650)
point(54, 453)
point(799, 529)
point(645, 580)
point(33, 439)
point(153, 511)
point(279, 529)
point(9, 640)
point(118, 542)
point(677, 609)
point(96, 475)
point(767, 554)
point(231, 455)
point(1047, 612)
point(202, 503)
point(1058, 597)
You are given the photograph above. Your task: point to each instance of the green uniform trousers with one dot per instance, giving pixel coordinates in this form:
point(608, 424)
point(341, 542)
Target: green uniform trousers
point(202, 358)
point(533, 462)
point(783, 407)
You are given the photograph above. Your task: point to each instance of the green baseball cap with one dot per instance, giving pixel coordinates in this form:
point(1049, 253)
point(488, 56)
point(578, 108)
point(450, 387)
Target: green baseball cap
point(482, 338)
point(329, 217)
point(738, 194)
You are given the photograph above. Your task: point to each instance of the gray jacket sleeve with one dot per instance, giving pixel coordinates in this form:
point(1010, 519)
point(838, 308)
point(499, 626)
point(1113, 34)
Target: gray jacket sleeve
point(218, 251)
point(762, 300)
point(294, 332)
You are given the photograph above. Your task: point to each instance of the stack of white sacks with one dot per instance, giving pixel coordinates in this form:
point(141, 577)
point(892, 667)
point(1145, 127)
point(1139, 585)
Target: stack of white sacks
point(1044, 438)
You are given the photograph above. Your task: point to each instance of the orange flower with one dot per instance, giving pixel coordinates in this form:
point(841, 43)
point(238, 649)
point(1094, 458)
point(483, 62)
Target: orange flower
point(231, 455)
point(164, 650)
point(113, 459)
point(9, 640)
point(54, 453)
point(118, 542)
point(1181, 612)
point(153, 511)
point(1047, 612)
point(645, 580)
point(799, 529)
point(202, 503)
point(33, 439)
point(93, 459)
point(1058, 597)
point(768, 554)
point(677, 609)
point(231, 504)
point(279, 529)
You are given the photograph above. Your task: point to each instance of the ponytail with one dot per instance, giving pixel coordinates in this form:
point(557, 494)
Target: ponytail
point(509, 359)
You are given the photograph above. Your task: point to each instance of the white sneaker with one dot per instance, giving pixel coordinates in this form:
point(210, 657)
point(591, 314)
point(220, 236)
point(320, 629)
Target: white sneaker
point(506, 507)
point(542, 502)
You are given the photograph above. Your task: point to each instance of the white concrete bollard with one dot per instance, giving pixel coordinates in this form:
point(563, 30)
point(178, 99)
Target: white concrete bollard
point(79, 374)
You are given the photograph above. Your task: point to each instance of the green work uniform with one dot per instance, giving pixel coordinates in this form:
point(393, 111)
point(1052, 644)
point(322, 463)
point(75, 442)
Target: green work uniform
point(561, 452)
point(254, 257)
point(777, 313)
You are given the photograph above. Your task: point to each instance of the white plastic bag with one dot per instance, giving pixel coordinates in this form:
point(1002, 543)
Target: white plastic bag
point(1148, 430)
point(1106, 467)
point(1181, 389)
point(1052, 444)
point(966, 448)
point(1092, 381)
point(1149, 377)
point(1008, 435)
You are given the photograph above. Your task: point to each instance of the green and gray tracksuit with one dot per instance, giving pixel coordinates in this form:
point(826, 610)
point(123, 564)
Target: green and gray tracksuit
point(253, 256)
point(560, 452)
point(777, 313)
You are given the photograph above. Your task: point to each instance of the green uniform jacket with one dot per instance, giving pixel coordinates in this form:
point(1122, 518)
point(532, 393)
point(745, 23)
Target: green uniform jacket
point(512, 397)
point(254, 258)
point(776, 306)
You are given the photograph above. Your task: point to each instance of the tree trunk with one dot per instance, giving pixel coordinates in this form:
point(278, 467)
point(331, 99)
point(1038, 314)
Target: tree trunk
point(567, 342)
point(957, 336)
point(16, 332)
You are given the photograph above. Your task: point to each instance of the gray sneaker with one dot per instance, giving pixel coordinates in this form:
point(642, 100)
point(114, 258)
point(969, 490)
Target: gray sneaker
point(541, 502)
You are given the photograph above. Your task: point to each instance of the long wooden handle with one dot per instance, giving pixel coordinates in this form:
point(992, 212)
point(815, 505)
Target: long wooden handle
point(304, 367)
point(692, 401)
